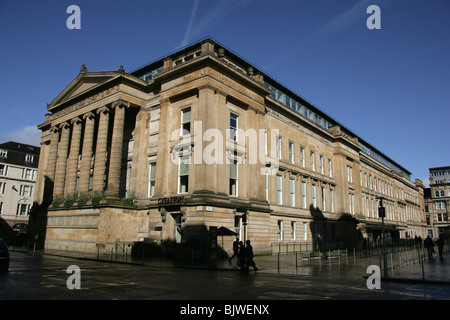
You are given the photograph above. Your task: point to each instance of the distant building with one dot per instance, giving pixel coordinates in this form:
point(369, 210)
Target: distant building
point(18, 172)
point(437, 201)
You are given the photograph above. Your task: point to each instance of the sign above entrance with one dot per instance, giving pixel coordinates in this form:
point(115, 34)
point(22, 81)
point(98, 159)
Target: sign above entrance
point(171, 200)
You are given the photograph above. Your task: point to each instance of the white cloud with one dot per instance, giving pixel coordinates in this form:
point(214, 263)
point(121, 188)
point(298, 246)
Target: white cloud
point(187, 34)
point(27, 135)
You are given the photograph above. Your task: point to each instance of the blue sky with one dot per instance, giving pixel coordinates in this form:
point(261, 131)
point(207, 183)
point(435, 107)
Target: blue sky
point(389, 86)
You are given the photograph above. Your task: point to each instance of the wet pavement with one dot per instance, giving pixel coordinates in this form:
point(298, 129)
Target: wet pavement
point(280, 277)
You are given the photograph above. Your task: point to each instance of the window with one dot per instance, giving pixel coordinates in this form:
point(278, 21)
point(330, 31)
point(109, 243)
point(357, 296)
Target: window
point(265, 142)
point(314, 200)
point(278, 146)
point(291, 151)
point(3, 170)
point(351, 203)
point(29, 158)
point(332, 200)
point(303, 195)
point(367, 206)
point(440, 205)
point(330, 171)
point(151, 179)
point(233, 178)
point(302, 156)
point(323, 199)
point(349, 174)
point(3, 153)
point(28, 174)
point(183, 174)
point(185, 121)
point(280, 229)
point(442, 193)
point(267, 185)
point(25, 191)
point(322, 169)
point(22, 209)
point(313, 167)
point(305, 231)
point(292, 230)
point(1, 207)
point(292, 190)
point(233, 126)
point(2, 187)
point(279, 190)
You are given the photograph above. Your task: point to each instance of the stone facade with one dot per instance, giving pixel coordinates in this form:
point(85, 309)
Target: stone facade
point(18, 173)
point(437, 201)
point(116, 165)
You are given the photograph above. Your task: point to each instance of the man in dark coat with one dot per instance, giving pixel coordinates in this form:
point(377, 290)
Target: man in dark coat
point(429, 245)
point(235, 250)
point(249, 255)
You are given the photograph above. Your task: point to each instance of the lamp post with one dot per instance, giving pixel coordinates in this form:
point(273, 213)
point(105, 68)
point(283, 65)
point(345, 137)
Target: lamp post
point(382, 215)
point(244, 222)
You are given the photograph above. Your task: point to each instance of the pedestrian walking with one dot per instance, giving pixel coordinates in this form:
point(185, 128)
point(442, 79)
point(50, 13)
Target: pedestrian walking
point(429, 245)
point(241, 256)
point(365, 245)
point(440, 244)
point(249, 256)
point(235, 251)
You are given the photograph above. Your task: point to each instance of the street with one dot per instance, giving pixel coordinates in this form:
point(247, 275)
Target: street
point(44, 277)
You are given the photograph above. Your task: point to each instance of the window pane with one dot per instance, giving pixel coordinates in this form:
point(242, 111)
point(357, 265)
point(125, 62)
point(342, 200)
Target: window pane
point(233, 170)
point(184, 166)
point(186, 115)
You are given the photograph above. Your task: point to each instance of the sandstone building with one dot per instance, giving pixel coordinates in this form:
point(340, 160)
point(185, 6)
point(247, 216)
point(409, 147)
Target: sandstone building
point(202, 139)
point(437, 201)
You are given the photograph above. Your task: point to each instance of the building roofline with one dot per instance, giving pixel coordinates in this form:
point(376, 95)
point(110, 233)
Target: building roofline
point(267, 78)
point(440, 168)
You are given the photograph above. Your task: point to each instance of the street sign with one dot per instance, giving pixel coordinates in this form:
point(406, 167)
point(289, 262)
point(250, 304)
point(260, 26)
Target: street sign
point(381, 212)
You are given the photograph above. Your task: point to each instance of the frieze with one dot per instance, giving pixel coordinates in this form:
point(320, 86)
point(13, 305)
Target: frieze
point(85, 102)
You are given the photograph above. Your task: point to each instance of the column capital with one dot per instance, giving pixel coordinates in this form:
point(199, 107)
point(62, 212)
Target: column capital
point(76, 120)
point(64, 125)
point(55, 129)
point(103, 109)
point(121, 103)
point(89, 115)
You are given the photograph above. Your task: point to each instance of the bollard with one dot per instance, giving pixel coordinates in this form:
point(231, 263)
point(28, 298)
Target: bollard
point(278, 261)
point(392, 265)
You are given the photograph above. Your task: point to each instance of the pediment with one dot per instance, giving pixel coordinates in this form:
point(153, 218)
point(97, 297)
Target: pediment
point(83, 83)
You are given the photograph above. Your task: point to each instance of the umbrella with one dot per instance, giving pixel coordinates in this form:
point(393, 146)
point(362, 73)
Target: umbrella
point(222, 231)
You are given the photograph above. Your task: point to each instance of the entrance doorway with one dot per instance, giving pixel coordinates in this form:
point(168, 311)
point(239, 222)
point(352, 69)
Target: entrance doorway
point(176, 227)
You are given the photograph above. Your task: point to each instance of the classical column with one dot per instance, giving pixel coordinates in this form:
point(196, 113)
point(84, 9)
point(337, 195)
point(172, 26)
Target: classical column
point(86, 153)
point(72, 161)
point(115, 160)
point(100, 153)
point(53, 154)
point(61, 163)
